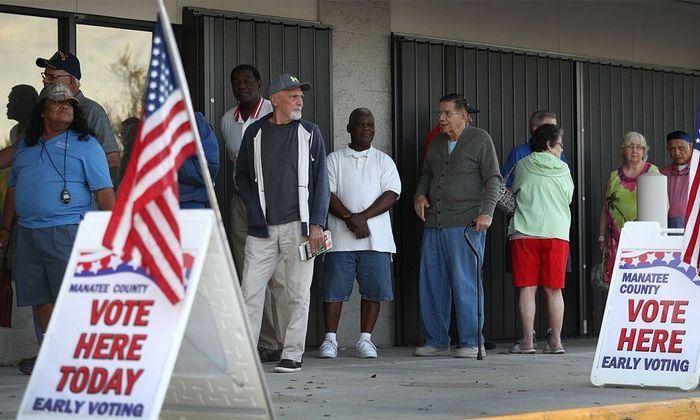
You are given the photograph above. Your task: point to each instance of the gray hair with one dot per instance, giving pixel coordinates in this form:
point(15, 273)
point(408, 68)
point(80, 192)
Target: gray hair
point(537, 118)
point(629, 139)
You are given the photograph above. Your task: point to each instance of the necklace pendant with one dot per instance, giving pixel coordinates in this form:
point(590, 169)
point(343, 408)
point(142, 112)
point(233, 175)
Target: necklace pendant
point(65, 196)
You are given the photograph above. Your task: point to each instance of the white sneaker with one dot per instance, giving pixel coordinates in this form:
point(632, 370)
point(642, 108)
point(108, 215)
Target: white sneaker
point(365, 349)
point(469, 352)
point(429, 351)
point(328, 350)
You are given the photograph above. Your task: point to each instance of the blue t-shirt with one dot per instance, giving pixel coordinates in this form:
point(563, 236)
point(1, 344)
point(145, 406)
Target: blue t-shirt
point(451, 146)
point(38, 183)
point(514, 157)
point(190, 180)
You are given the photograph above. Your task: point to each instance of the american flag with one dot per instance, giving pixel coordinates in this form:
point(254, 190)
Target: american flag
point(691, 238)
point(144, 220)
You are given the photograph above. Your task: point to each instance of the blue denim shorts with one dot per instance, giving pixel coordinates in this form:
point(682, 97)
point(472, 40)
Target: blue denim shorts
point(40, 262)
point(373, 271)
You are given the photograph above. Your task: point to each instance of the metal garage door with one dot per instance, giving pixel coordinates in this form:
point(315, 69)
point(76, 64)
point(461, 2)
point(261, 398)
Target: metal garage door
point(616, 99)
point(214, 42)
point(506, 86)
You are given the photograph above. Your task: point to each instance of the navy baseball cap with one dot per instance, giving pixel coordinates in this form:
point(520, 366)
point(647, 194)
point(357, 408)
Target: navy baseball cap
point(285, 82)
point(678, 135)
point(62, 61)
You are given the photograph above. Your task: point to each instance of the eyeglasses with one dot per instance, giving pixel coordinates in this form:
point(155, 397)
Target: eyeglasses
point(52, 76)
point(634, 147)
point(560, 144)
point(447, 114)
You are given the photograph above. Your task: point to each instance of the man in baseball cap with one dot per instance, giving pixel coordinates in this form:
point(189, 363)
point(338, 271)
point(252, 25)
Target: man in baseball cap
point(287, 82)
point(286, 155)
point(64, 68)
point(680, 149)
point(61, 61)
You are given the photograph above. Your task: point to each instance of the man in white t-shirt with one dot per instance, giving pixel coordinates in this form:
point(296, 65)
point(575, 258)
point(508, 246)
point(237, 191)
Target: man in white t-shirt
point(364, 185)
point(246, 85)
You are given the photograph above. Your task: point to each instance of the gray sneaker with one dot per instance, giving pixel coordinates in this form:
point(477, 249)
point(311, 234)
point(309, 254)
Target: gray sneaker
point(469, 352)
point(328, 349)
point(430, 351)
point(365, 349)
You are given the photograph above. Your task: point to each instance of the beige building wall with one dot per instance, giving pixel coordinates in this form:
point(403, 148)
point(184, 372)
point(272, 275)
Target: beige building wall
point(146, 9)
point(654, 32)
point(361, 78)
point(659, 32)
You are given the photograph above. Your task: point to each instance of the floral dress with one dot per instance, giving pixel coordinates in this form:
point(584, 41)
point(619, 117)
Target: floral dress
point(620, 207)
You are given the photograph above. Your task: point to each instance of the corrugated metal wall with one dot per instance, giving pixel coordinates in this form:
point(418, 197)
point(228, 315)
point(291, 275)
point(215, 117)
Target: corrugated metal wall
point(615, 100)
point(596, 104)
point(506, 87)
point(215, 42)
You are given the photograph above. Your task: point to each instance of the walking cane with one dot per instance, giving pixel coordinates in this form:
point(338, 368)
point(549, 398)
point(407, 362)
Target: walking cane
point(479, 354)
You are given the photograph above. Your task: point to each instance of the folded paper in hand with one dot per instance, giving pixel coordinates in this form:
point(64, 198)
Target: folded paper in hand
point(305, 248)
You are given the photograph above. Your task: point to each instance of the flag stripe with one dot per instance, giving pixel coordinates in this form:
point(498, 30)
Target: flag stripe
point(155, 181)
point(161, 235)
point(154, 271)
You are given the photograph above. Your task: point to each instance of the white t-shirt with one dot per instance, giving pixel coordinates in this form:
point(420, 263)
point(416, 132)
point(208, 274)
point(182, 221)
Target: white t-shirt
point(358, 179)
point(233, 127)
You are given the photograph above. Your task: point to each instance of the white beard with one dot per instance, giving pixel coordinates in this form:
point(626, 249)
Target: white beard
point(296, 115)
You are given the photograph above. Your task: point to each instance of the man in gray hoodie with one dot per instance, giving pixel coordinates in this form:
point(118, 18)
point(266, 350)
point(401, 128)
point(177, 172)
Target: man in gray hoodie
point(459, 185)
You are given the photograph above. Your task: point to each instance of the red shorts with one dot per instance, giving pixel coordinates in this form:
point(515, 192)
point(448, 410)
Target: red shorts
point(539, 262)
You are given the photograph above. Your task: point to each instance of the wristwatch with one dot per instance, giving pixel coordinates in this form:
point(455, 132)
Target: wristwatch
point(601, 238)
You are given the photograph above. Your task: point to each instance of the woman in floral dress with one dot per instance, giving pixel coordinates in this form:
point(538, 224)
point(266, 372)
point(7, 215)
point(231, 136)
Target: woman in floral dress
point(620, 199)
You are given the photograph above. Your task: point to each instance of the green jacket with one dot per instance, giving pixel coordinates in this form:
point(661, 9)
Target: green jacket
point(543, 190)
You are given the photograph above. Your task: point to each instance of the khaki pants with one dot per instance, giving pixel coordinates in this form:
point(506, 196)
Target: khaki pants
point(274, 318)
point(261, 256)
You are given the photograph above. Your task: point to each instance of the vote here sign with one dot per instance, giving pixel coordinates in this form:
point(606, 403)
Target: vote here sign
point(113, 338)
point(649, 336)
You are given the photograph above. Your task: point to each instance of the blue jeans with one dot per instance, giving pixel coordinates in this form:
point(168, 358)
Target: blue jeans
point(448, 267)
point(676, 222)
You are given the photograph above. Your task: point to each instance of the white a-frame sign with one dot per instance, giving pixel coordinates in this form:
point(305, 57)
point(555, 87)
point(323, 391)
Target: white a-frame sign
point(117, 348)
point(650, 335)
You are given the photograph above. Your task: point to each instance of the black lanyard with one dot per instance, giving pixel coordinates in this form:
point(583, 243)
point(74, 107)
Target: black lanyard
point(65, 195)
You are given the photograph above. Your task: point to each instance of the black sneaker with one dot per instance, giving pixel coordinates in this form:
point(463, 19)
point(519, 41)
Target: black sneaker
point(26, 366)
point(288, 366)
point(268, 355)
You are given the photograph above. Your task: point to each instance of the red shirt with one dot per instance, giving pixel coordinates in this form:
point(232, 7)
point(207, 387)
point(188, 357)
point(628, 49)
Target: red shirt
point(677, 188)
point(430, 138)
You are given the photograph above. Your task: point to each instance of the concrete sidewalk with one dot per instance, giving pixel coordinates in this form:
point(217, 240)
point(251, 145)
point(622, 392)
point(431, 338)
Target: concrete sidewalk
point(398, 385)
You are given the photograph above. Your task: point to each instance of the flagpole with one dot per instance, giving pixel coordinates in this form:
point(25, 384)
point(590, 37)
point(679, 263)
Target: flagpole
point(180, 74)
point(176, 61)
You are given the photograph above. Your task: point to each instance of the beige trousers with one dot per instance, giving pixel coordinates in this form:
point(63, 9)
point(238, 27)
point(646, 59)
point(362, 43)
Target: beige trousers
point(274, 318)
point(261, 256)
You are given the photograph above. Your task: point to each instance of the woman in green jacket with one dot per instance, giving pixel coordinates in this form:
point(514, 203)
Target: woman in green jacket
point(539, 234)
